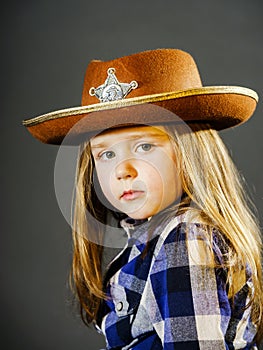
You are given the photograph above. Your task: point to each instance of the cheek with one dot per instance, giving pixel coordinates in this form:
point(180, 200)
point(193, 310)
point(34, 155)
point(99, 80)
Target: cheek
point(166, 181)
point(152, 180)
point(159, 170)
point(105, 179)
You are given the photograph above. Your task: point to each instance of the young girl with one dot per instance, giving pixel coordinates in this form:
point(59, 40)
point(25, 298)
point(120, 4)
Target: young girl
point(189, 275)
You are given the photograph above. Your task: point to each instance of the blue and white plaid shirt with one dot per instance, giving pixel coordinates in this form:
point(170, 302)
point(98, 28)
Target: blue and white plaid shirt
point(166, 295)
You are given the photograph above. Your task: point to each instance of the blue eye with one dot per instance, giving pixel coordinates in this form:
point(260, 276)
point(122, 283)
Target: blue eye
point(107, 155)
point(145, 147)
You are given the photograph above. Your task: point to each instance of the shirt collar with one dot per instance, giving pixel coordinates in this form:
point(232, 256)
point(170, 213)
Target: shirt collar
point(137, 230)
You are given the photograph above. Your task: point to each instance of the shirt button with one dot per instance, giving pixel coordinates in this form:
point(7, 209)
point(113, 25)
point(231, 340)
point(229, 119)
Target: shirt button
point(119, 306)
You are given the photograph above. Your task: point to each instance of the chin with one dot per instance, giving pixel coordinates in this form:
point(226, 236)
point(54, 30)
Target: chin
point(140, 215)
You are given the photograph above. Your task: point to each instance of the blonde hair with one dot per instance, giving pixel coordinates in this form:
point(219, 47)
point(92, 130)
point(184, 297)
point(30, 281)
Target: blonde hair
point(216, 192)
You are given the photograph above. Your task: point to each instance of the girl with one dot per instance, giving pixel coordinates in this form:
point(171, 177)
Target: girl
point(189, 276)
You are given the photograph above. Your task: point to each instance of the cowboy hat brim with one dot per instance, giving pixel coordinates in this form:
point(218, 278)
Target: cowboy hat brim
point(219, 106)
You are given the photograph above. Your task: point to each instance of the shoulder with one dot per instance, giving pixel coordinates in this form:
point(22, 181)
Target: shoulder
point(179, 228)
point(196, 241)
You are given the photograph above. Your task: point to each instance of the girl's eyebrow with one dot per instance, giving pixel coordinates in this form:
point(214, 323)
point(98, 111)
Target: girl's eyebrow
point(156, 135)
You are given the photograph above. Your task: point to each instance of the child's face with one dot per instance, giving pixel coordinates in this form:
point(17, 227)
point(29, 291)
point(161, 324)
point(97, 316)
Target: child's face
point(136, 168)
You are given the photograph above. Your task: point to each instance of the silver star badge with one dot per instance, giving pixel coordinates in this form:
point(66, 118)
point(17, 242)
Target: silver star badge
point(112, 89)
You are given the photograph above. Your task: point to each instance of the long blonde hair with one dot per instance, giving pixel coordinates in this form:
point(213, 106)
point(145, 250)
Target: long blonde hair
point(211, 182)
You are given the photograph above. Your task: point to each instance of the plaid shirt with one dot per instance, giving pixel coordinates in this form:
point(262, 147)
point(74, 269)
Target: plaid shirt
point(166, 295)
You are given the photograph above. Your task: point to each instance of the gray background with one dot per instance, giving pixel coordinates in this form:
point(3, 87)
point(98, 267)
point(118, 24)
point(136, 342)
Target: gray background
point(46, 46)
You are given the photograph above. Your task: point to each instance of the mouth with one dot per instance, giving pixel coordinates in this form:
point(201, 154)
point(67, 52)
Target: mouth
point(131, 195)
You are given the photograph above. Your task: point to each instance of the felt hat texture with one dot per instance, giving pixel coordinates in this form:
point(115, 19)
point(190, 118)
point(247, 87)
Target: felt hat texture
point(127, 90)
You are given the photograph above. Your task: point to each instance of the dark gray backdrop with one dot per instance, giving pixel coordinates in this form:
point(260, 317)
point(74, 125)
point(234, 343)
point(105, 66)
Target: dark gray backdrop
point(46, 46)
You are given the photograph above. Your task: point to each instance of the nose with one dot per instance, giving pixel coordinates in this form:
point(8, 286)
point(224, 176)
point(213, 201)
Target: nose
point(125, 170)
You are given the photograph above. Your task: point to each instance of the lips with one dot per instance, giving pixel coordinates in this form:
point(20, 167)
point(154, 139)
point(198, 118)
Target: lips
point(131, 195)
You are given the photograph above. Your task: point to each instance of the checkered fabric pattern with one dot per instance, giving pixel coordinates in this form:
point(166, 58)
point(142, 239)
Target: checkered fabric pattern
point(169, 297)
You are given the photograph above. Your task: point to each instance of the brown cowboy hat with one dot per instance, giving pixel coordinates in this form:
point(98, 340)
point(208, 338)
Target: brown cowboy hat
point(167, 78)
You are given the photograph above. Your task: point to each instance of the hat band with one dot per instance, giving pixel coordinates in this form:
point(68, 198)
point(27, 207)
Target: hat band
point(207, 90)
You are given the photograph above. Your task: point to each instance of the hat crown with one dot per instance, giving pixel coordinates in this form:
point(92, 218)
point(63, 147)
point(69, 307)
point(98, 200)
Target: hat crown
point(161, 85)
point(155, 71)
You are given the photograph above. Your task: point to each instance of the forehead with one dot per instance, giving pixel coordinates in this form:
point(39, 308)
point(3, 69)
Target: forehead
point(127, 133)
